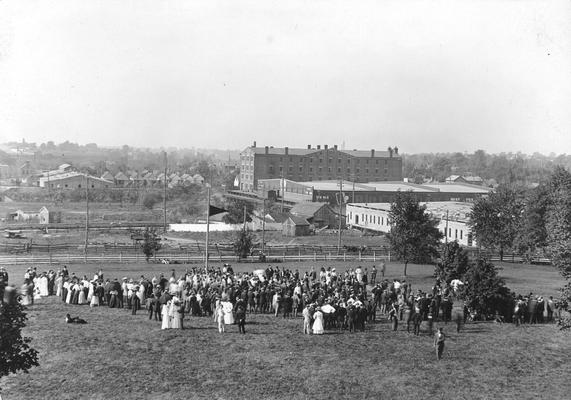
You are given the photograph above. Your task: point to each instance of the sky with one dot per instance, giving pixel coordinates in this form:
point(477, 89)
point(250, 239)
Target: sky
point(426, 76)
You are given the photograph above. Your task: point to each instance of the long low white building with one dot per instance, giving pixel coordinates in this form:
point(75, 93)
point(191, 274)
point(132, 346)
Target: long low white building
point(452, 218)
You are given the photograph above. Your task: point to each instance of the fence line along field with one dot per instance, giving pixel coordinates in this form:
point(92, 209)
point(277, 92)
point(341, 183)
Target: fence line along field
point(117, 355)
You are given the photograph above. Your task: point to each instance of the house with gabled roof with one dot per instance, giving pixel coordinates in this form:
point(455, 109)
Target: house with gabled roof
point(107, 176)
point(317, 213)
point(295, 226)
point(121, 179)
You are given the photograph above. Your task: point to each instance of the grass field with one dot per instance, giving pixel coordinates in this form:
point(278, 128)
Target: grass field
point(120, 356)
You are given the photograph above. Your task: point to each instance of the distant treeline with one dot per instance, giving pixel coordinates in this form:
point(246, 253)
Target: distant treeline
point(503, 168)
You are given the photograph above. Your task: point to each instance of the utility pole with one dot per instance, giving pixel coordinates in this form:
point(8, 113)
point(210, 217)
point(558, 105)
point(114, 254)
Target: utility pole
point(283, 193)
point(165, 197)
point(264, 229)
point(207, 223)
point(446, 229)
point(340, 214)
point(86, 212)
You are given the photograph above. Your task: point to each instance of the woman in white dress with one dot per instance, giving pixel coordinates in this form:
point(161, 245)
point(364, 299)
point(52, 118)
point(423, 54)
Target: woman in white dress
point(165, 316)
point(81, 298)
point(69, 292)
point(227, 307)
point(91, 291)
point(94, 300)
point(43, 285)
point(175, 315)
point(59, 285)
point(219, 315)
point(318, 322)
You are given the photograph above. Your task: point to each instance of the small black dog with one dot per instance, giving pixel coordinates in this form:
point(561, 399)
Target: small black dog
point(74, 320)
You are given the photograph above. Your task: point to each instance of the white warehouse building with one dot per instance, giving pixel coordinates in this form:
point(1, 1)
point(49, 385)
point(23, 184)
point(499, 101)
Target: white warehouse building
point(452, 217)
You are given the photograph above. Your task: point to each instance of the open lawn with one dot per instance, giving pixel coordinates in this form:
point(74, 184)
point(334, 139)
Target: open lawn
point(120, 356)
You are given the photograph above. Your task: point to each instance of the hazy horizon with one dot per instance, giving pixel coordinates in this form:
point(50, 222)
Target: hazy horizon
point(426, 76)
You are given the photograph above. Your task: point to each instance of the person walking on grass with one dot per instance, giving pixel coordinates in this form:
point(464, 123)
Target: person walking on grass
point(439, 339)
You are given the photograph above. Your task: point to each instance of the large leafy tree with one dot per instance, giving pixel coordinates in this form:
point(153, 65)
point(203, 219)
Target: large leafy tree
point(532, 233)
point(494, 221)
point(414, 236)
point(484, 291)
point(243, 243)
point(151, 243)
point(559, 231)
point(453, 263)
point(15, 351)
point(235, 210)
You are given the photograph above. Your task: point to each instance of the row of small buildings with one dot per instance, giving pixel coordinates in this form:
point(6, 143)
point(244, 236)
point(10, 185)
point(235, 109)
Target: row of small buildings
point(66, 178)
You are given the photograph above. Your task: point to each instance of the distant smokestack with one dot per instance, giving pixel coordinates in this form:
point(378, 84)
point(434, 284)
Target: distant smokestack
point(335, 147)
point(396, 150)
point(254, 144)
point(372, 153)
point(286, 151)
point(325, 146)
point(318, 146)
point(390, 149)
point(267, 149)
point(308, 147)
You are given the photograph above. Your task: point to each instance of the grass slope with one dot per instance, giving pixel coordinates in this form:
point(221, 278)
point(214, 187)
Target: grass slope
point(120, 356)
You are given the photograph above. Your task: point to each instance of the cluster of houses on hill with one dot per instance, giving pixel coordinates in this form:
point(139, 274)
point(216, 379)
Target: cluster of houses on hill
point(152, 178)
point(66, 177)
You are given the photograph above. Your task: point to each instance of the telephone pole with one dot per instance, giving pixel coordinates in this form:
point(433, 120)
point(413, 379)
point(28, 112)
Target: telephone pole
point(165, 196)
point(340, 214)
point(86, 213)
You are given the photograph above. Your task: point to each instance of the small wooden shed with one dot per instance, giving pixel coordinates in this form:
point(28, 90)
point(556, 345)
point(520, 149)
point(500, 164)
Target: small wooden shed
point(295, 226)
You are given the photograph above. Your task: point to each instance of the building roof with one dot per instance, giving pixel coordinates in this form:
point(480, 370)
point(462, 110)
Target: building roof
point(298, 221)
point(473, 179)
point(395, 186)
point(68, 175)
point(456, 211)
point(307, 209)
point(121, 176)
point(459, 188)
point(334, 185)
point(107, 175)
point(303, 152)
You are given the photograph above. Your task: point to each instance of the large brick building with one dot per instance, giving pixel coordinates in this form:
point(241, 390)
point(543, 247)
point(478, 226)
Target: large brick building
point(320, 163)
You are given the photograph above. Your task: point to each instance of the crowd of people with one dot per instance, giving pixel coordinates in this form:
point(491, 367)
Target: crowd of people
point(326, 299)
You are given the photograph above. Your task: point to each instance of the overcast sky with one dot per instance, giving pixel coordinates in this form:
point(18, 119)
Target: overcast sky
point(427, 76)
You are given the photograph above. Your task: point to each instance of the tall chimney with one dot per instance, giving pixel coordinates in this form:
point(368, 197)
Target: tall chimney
point(267, 149)
point(308, 147)
point(286, 151)
point(318, 146)
point(254, 144)
point(325, 146)
point(372, 153)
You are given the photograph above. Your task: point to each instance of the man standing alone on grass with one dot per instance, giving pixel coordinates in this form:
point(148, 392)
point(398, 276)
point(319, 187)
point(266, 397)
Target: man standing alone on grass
point(439, 343)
